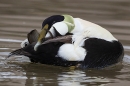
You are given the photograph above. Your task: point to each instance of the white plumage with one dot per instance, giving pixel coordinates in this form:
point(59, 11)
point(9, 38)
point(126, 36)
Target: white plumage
point(71, 53)
point(83, 30)
point(24, 43)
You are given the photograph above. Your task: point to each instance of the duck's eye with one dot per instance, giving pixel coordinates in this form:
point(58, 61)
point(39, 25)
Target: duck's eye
point(26, 44)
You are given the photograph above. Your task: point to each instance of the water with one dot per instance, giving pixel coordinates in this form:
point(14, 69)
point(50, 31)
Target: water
point(18, 17)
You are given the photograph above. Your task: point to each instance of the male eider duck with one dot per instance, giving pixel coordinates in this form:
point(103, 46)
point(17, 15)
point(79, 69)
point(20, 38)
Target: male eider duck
point(92, 46)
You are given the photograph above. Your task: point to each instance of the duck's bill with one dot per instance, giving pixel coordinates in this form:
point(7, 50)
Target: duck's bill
point(18, 52)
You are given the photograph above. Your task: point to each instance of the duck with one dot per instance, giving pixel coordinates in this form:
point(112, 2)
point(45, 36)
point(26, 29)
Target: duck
point(91, 46)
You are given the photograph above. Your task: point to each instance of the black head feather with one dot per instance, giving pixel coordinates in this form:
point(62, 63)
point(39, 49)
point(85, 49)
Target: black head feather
point(52, 19)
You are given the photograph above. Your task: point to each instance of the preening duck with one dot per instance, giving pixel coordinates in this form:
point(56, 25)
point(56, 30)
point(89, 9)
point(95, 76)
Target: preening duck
point(91, 46)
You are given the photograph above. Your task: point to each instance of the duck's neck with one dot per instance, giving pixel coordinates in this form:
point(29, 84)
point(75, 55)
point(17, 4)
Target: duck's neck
point(78, 26)
point(69, 21)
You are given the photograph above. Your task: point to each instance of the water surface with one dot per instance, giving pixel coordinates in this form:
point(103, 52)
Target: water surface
point(18, 17)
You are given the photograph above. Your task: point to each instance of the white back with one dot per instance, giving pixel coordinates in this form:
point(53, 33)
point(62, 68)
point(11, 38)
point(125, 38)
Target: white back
point(85, 30)
point(92, 30)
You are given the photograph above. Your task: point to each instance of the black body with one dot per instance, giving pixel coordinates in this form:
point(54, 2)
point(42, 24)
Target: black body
point(100, 54)
point(46, 54)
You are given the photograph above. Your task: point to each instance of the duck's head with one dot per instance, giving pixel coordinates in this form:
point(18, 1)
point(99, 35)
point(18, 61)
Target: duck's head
point(55, 25)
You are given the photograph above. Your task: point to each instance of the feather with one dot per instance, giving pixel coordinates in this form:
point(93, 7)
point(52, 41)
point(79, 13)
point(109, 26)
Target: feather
point(33, 36)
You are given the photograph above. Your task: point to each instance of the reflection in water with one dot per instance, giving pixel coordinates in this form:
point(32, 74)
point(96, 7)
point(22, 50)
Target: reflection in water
point(17, 18)
point(79, 78)
point(60, 76)
point(31, 74)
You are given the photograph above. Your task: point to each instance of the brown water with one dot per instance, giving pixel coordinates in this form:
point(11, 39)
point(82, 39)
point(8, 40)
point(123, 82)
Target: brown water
point(18, 17)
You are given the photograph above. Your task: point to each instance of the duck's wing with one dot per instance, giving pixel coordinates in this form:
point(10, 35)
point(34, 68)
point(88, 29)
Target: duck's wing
point(64, 39)
point(19, 52)
point(33, 36)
